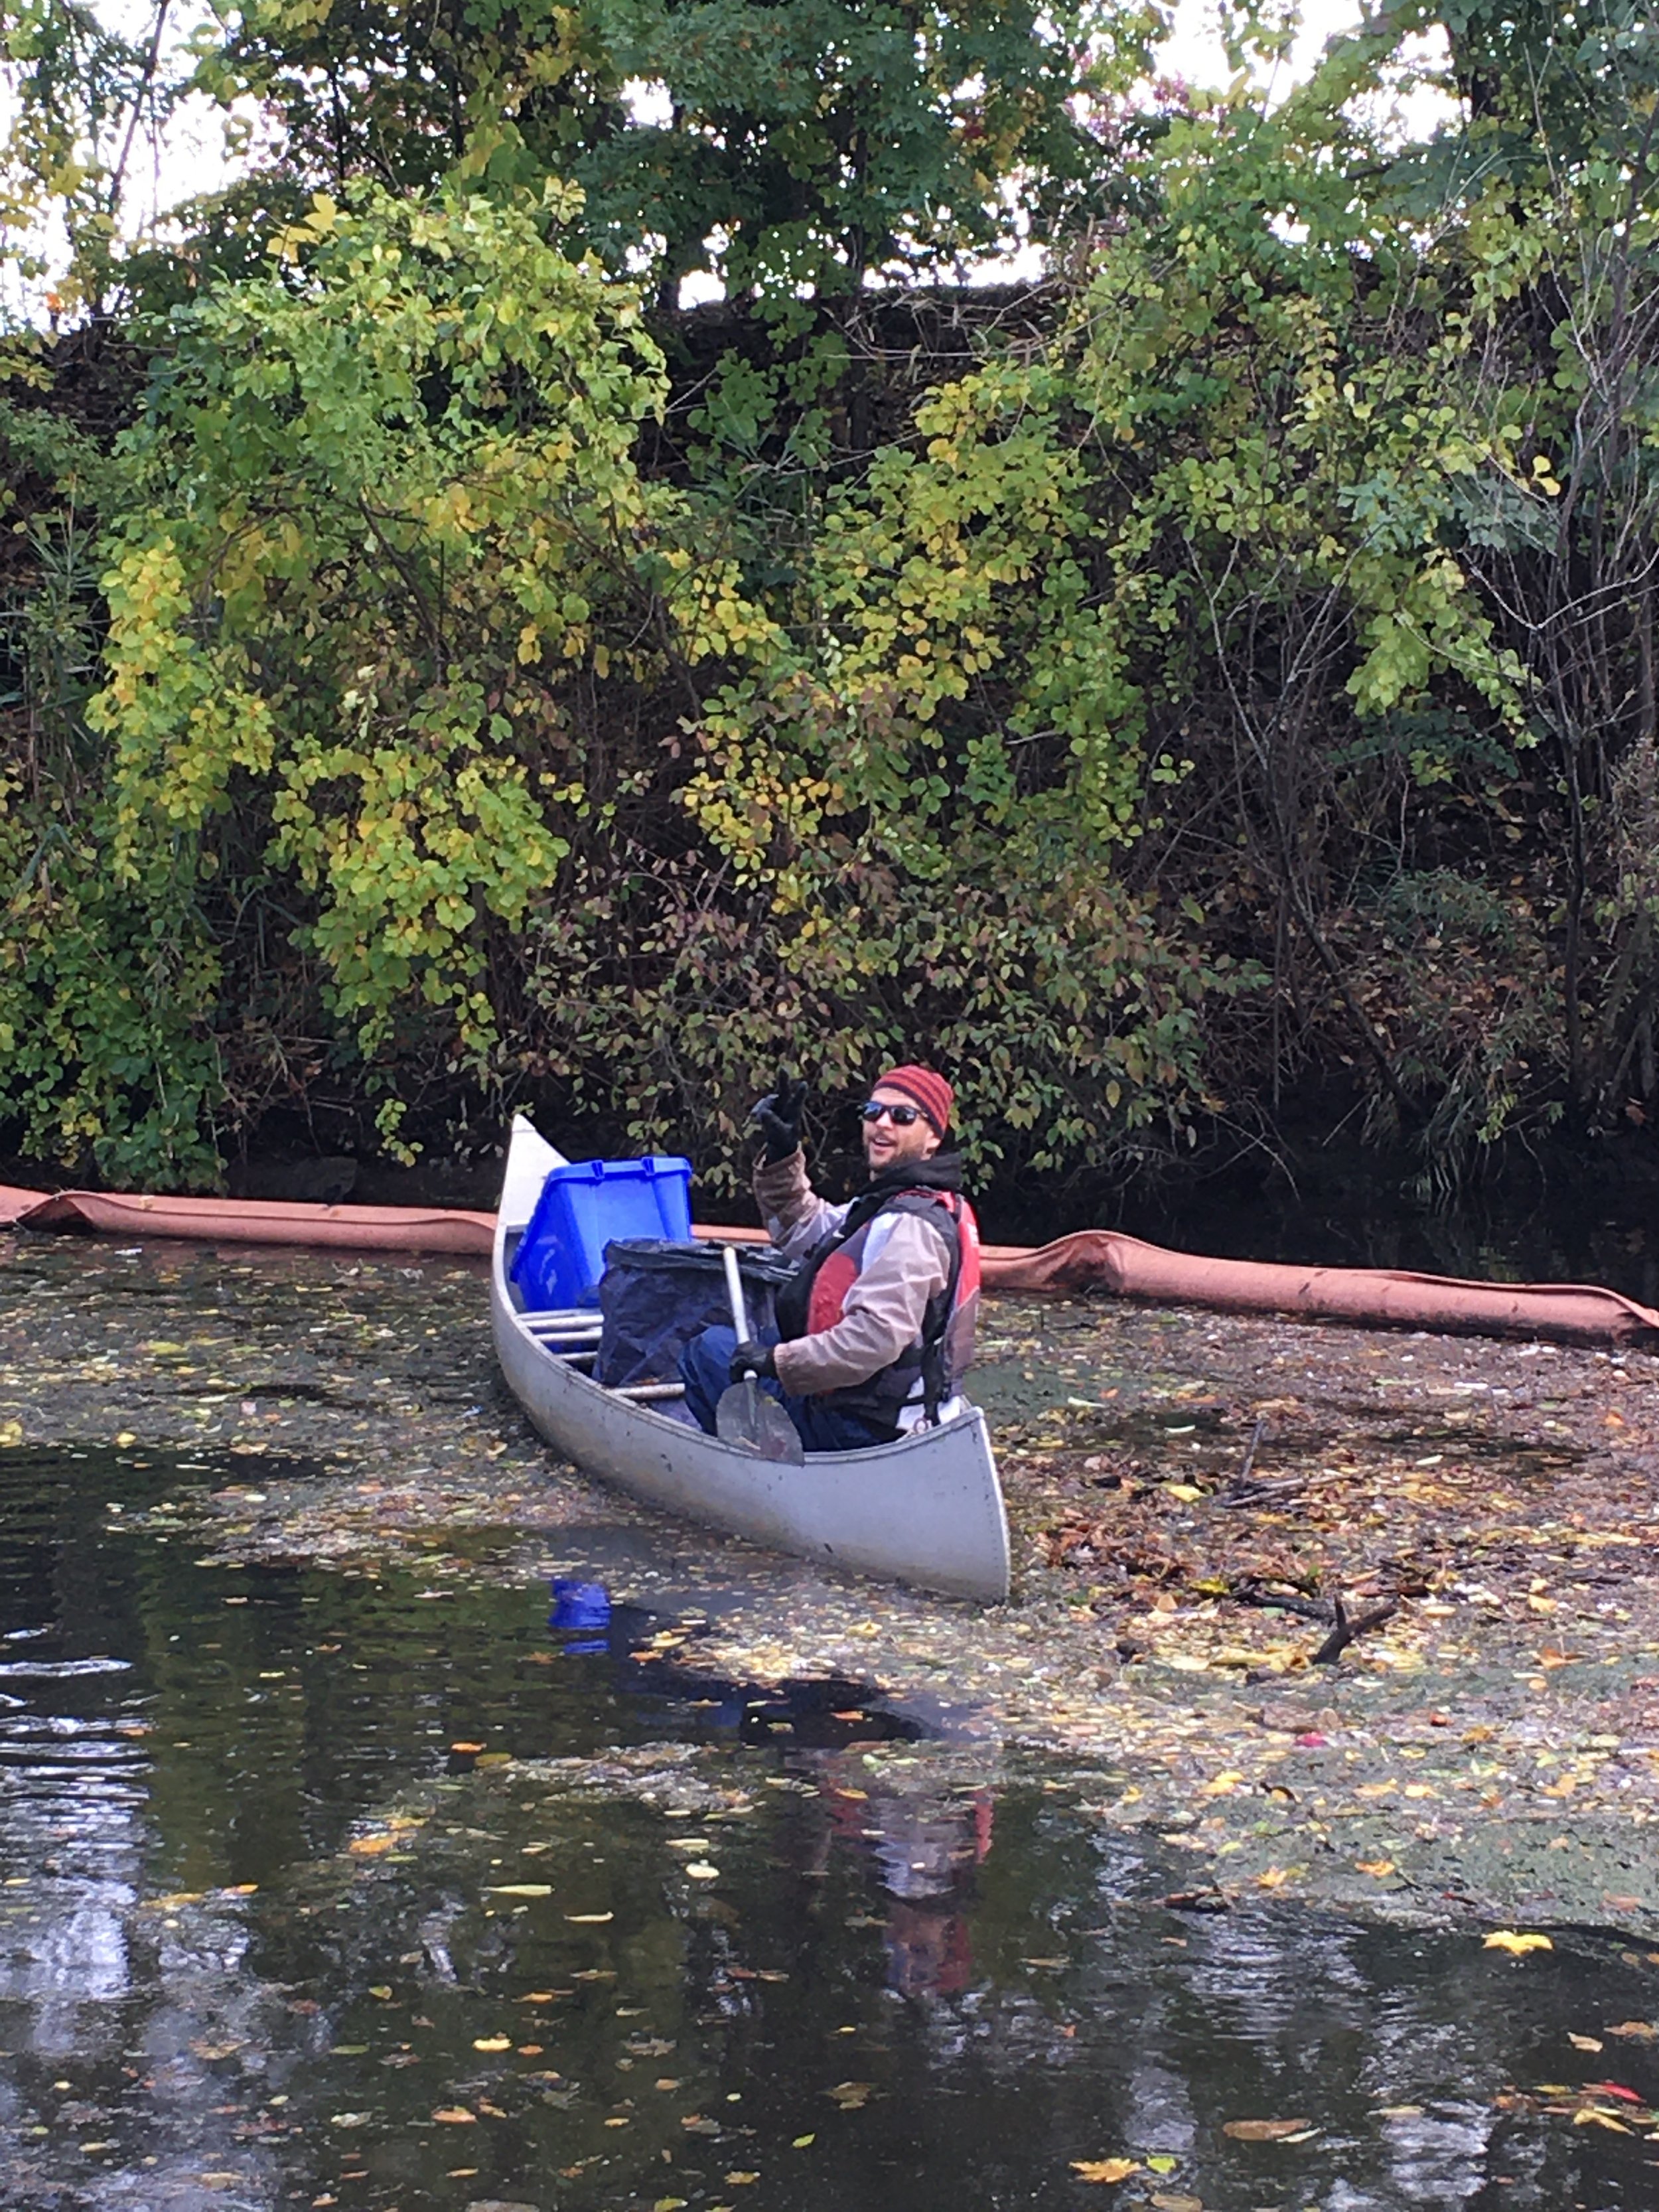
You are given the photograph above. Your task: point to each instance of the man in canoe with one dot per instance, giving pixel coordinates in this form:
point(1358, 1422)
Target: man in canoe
point(876, 1326)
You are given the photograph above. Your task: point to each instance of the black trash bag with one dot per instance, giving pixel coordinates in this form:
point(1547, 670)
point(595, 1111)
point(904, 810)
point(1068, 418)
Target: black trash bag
point(655, 1297)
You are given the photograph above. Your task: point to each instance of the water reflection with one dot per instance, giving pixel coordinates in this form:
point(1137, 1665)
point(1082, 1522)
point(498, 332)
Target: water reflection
point(267, 1939)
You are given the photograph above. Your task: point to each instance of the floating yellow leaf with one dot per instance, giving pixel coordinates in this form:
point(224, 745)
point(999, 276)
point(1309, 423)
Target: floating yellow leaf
point(1263, 2131)
point(492, 2043)
point(1105, 2169)
point(739, 2180)
point(1378, 1867)
point(368, 1847)
point(455, 2116)
point(521, 1889)
point(700, 1870)
point(1584, 2042)
point(801, 2143)
point(1506, 1939)
point(589, 1919)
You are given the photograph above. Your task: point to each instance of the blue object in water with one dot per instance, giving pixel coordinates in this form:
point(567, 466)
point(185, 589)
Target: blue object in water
point(561, 1255)
point(584, 1607)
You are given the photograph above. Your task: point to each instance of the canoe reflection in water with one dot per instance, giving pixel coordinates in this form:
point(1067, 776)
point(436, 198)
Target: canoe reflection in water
point(923, 1846)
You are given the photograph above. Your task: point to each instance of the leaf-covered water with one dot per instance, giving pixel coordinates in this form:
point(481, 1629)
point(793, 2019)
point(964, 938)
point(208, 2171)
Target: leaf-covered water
point(268, 1938)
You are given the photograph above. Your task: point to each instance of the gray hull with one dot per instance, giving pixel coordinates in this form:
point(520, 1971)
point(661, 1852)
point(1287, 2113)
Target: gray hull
point(927, 1510)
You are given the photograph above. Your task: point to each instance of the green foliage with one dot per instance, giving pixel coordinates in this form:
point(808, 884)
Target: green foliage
point(1229, 673)
point(799, 145)
point(382, 523)
point(76, 92)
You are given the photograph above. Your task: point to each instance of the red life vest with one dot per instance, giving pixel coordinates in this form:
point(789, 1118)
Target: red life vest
point(927, 1370)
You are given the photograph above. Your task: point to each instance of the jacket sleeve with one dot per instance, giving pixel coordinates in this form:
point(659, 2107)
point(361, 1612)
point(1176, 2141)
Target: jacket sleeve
point(883, 1314)
point(796, 1218)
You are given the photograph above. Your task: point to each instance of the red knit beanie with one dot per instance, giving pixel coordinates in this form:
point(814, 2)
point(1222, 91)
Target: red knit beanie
point(931, 1092)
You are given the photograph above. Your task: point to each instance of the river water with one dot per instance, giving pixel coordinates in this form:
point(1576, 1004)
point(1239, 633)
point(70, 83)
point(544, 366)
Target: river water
point(417, 1892)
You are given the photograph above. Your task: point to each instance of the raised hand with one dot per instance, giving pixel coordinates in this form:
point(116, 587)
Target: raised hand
point(778, 1116)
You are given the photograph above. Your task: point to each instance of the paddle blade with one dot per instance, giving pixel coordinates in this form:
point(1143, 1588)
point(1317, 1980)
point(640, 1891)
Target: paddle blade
point(747, 1417)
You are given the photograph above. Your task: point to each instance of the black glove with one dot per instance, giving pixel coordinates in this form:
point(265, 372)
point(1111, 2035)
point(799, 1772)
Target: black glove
point(752, 1359)
point(778, 1116)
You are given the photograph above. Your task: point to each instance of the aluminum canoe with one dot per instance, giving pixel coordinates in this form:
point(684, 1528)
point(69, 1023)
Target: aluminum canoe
point(927, 1510)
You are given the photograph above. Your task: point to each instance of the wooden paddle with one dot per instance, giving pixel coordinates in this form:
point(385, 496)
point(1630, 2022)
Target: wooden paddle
point(745, 1416)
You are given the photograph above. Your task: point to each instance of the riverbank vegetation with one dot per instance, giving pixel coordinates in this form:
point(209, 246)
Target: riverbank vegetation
point(1204, 694)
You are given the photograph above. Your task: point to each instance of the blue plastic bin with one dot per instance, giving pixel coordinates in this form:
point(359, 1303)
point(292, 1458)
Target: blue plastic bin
point(561, 1255)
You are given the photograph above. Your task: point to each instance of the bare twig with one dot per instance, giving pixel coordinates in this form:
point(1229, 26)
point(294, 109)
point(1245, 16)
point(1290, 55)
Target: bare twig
point(1262, 1491)
point(1305, 1608)
point(1244, 1475)
point(1347, 1630)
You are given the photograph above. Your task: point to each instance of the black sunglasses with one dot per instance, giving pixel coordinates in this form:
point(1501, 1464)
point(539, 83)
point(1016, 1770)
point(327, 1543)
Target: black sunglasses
point(900, 1116)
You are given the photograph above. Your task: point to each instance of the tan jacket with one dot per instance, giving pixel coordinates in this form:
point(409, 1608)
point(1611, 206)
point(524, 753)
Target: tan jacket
point(886, 1306)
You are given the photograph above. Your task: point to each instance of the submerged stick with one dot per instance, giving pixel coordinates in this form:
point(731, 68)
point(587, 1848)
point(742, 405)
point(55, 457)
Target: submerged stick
point(1244, 1475)
point(1347, 1630)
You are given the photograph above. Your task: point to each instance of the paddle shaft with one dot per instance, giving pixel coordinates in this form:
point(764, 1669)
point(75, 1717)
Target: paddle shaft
point(734, 1293)
point(745, 1414)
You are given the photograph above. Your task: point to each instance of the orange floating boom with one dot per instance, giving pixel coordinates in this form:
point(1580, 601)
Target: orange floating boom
point(1092, 1260)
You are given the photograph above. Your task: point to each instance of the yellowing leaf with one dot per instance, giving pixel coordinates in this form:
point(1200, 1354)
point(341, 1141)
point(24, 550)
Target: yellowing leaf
point(1263, 2131)
point(492, 2043)
point(1584, 2042)
point(1105, 2169)
point(1378, 1867)
point(520, 1889)
point(801, 2143)
point(455, 2116)
point(1506, 1939)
